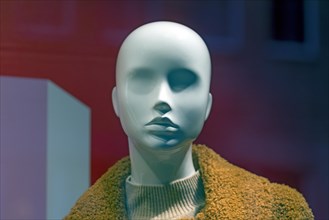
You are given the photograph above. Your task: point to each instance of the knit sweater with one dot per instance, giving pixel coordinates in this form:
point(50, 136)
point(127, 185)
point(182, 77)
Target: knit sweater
point(181, 198)
point(232, 193)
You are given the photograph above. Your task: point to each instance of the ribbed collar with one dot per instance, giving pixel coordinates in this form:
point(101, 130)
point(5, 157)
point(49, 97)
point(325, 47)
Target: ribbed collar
point(181, 198)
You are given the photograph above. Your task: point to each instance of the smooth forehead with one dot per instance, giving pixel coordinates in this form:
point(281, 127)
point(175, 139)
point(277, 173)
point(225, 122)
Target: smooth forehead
point(161, 43)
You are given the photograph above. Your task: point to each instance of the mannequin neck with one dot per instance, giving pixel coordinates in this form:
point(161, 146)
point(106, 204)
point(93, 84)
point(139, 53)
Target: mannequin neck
point(156, 166)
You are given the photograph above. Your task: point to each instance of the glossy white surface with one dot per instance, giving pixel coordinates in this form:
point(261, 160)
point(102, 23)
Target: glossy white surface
point(162, 98)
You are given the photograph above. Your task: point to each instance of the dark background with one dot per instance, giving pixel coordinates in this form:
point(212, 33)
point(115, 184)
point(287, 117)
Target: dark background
point(269, 82)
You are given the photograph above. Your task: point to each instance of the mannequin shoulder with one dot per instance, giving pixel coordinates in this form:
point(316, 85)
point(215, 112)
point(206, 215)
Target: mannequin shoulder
point(234, 188)
point(289, 202)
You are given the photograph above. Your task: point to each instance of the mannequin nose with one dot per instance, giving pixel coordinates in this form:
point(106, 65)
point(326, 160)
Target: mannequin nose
point(164, 93)
point(162, 107)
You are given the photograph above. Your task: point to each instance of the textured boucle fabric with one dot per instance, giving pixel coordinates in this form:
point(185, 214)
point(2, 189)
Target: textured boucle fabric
point(231, 193)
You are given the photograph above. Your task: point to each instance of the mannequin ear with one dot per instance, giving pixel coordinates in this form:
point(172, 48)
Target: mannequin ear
point(209, 105)
point(115, 102)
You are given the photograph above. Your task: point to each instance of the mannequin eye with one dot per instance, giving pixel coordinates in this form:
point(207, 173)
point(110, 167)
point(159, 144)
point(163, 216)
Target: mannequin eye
point(141, 81)
point(181, 79)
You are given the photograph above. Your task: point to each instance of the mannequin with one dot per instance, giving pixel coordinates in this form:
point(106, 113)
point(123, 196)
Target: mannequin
point(171, 71)
point(162, 100)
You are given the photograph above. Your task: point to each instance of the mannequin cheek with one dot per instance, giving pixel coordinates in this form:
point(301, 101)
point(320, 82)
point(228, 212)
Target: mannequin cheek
point(127, 118)
point(134, 115)
point(125, 123)
point(193, 120)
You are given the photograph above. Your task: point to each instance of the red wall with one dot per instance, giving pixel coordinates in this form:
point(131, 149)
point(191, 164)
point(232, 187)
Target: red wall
point(268, 116)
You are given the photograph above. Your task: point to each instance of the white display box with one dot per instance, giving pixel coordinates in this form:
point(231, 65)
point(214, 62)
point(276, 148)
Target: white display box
point(45, 149)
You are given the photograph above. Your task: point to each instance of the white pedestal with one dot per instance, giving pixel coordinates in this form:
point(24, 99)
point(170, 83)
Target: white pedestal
point(45, 149)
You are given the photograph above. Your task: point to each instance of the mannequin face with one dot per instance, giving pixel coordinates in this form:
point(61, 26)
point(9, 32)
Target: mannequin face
point(162, 95)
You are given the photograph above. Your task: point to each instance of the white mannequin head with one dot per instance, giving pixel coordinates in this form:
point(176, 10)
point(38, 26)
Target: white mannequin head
point(162, 86)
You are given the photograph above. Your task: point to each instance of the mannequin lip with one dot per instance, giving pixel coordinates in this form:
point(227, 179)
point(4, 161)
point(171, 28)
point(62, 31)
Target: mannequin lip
point(165, 135)
point(163, 128)
point(163, 122)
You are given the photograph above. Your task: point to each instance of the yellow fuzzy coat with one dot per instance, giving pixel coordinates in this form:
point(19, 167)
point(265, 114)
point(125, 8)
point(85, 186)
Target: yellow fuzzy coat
point(231, 193)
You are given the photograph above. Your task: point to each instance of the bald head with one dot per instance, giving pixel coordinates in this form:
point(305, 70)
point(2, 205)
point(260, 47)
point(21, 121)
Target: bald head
point(163, 43)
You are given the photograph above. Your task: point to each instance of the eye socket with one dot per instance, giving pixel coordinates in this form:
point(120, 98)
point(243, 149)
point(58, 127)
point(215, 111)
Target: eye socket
point(181, 79)
point(141, 81)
